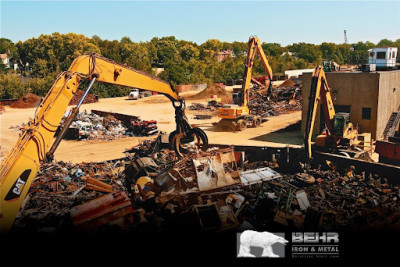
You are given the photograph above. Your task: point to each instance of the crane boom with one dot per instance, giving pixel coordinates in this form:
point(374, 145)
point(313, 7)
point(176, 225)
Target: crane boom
point(22, 163)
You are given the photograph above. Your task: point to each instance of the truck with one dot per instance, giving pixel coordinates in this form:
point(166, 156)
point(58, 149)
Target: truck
point(134, 94)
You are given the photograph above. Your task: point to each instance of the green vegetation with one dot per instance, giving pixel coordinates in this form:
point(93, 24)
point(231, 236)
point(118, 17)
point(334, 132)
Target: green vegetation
point(41, 59)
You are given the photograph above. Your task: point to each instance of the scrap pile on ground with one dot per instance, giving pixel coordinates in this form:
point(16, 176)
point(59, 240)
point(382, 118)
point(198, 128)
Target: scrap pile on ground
point(59, 186)
point(283, 99)
point(90, 98)
point(218, 189)
point(151, 189)
point(27, 101)
point(99, 125)
point(330, 200)
point(204, 111)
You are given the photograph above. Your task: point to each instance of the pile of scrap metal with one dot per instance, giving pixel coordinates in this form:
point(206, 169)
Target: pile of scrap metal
point(202, 190)
point(100, 125)
point(81, 196)
point(282, 99)
point(207, 111)
point(319, 199)
point(152, 189)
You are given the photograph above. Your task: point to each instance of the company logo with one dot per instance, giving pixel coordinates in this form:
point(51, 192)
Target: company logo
point(315, 245)
point(252, 244)
point(18, 186)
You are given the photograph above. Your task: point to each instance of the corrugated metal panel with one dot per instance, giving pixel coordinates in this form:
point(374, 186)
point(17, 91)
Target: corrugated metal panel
point(258, 175)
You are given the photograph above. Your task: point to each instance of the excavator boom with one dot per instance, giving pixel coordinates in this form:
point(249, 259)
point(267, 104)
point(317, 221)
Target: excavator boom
point(115, 73)
point(254, 47)
point(319, 92)
point(238, 117)
point(22, 163)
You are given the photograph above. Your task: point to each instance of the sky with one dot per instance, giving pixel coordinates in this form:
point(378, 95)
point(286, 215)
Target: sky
point(283, 22)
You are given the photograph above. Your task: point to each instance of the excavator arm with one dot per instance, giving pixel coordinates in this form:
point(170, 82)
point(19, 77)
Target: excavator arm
point(237, 117)
point(254, 47)
point(319, 92)
point(22, 163)
point(108, 71)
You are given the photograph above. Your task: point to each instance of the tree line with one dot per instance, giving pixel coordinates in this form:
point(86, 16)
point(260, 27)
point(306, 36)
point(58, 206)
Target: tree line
point(41, 59)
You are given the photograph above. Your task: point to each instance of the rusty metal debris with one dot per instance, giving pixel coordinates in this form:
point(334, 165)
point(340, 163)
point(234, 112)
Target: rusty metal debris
point(207, 111)
point(283, 99)
point(216, 189)
point(60, 186)
point(202, 117)
point(101, 125)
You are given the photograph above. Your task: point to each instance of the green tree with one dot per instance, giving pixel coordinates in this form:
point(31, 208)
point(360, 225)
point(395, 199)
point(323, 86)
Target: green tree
point(239, 47)
point(173, 73)
point(3, 67)
point(167, 50)
point(40, 68)
point(58, 50)
point(273, 49)
point(309, 52)
point(385, 43)
point(41, 86)
point(139, 58)
point(189, 52)
point(213, 45)
point(8, 47)
point(11, 86)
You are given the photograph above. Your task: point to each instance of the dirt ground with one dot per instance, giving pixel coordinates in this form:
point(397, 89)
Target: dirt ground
point(158, 108)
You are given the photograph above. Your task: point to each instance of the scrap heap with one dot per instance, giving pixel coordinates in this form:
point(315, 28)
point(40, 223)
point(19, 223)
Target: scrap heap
point(99, 125)
point(59, 186)
point(329, 199)
point(206, 111)
point(217, 189)
point(283, 99)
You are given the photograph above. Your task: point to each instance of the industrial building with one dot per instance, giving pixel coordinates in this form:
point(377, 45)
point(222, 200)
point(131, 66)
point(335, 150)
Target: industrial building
point(369, 97)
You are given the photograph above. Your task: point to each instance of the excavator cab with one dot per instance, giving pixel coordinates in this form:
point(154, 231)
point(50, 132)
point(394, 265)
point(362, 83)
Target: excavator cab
point(341, 122)
point(237, 98)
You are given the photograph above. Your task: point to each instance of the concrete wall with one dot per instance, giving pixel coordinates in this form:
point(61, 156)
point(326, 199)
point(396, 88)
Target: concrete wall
point(358, 90)
point(389, 97)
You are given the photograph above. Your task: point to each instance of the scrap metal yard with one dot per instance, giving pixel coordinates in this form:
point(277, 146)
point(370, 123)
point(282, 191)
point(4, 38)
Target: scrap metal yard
point(247, 133)
point(255, 179)
point(152, 108)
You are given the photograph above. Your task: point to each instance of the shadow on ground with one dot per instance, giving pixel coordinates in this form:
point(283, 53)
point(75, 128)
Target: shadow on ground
point(290, 135)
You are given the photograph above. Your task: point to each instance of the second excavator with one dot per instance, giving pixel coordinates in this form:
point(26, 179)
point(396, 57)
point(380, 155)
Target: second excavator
point(340, 136)
point(237, 116)
point(21, 165)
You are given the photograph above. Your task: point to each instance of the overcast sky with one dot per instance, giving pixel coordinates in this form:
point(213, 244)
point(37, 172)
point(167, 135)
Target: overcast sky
point(283, 22)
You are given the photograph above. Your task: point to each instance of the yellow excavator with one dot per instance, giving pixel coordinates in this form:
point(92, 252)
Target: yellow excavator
point(237, 116)
point(35, 145)
point(340, 136)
